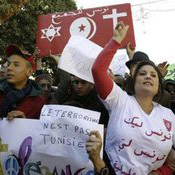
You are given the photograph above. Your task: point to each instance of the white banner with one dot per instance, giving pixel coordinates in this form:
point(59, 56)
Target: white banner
point(18, 153)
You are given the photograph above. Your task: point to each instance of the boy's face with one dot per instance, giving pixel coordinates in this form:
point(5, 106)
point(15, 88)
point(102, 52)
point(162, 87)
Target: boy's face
point(18, 71)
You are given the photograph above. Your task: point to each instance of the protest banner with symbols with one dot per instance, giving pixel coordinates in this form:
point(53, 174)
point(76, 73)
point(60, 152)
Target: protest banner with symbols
point(19, 138)
point(95, 24)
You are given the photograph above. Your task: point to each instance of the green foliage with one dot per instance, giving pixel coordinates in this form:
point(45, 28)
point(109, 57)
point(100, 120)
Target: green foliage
point(21, 28)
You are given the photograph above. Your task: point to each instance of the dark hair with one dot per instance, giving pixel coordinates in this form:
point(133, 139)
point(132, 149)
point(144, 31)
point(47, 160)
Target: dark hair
point(130, 87)
point(44, 76)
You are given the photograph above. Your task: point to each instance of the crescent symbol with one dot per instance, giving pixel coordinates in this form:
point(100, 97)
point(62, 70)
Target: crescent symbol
point(93, 28)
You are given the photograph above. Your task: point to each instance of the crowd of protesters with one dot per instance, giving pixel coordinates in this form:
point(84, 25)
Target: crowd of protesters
point(142, 95)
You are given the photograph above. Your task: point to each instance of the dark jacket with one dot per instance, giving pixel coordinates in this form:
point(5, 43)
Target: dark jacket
point(31, 105)
point(91, 102)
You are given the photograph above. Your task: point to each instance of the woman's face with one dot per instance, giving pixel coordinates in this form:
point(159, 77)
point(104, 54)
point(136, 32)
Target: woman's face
point(147, 81)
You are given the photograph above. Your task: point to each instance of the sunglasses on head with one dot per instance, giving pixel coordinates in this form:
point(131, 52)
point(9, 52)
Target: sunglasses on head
point(79, 81)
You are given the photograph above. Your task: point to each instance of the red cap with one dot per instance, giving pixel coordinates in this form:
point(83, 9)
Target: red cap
point(14, 50)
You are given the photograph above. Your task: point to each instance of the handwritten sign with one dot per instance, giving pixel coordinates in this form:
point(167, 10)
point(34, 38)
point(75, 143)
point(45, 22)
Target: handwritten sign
point(117, 65)
point(71, 113)
point(20, 157)
point(95, 24)
point(79, 60)
point(65, 128)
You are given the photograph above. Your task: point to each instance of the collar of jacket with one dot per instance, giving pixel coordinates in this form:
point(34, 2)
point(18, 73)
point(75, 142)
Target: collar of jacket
point(35, 91)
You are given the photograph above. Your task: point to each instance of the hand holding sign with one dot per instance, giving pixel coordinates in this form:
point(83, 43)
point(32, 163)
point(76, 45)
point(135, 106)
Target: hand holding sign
point(15, 114)
point(93, 147)
point(120, 32)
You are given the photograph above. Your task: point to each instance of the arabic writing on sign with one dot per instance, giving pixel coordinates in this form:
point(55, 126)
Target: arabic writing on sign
point(101, 11)
point(79, 12)
point(56, 16)
point(69, 14)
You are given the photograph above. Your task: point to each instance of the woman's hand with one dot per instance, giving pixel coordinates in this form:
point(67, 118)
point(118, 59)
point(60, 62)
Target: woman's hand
point(120, 32)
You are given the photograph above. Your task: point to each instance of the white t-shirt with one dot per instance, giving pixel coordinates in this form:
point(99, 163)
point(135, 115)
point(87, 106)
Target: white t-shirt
point(136, 142)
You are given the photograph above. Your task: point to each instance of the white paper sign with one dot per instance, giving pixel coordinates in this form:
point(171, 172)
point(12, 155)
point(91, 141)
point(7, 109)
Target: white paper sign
point(17, 153)
point(71, 113)
point(64, 131)
point(118, 66)
point(79, 55)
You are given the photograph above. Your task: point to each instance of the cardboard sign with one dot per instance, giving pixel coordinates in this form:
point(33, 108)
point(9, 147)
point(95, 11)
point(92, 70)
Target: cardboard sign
point(95, 24)
point(18, 154)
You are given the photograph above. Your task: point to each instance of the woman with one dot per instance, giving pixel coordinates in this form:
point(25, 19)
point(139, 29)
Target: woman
point(140, 132)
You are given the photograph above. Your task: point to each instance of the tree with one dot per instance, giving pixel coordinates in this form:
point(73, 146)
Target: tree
point(9, 9)
point(21, 26)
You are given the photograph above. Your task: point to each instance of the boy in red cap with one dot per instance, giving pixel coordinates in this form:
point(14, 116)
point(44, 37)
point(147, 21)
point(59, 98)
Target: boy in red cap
point(20, 97)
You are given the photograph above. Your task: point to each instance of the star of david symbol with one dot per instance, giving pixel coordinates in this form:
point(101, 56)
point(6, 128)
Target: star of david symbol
point(51, 32)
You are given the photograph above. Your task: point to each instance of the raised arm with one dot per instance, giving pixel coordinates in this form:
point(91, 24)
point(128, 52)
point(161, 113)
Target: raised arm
point(103, 82)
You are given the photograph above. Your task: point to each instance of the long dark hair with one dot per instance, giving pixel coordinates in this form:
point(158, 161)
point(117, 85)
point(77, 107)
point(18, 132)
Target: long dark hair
point(130, 86)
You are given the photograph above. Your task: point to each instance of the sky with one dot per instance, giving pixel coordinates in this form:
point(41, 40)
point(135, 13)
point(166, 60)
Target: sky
point(154, 25)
